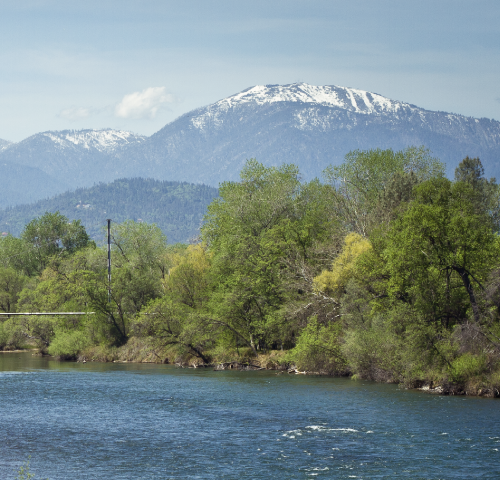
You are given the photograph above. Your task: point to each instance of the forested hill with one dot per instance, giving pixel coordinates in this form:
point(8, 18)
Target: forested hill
point(176, 207)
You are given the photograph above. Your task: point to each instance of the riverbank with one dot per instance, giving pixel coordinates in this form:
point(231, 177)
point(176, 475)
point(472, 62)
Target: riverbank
point(142, 350)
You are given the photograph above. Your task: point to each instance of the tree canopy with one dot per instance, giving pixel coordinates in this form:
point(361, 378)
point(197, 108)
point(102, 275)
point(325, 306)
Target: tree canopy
point(387, 271)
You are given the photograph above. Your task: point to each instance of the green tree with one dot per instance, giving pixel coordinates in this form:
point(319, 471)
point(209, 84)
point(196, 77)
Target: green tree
point(359, 182)
point(140, 262)
point(51, 235)
point(487, 199)
point(440, 243)
point(62, 287)
point(14, 253)
point(260, 232)
point(318, 349)
point(11, 284)
point(178, 319)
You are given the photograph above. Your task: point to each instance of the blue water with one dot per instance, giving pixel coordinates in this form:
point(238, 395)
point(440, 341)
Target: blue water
point(134, 421)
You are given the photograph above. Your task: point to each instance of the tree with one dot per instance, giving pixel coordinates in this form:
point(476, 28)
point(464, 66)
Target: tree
point(487, 200)
point(318, 349)
point(442, 241)
point(172, 324)
point(187, 281)
point(14, 253)
point(140, 261)
point(62, 287)
point(178, 318)
point(51, 235)
point(334, 282)
point(365, 175)
point(260, 231)
point(11, 284)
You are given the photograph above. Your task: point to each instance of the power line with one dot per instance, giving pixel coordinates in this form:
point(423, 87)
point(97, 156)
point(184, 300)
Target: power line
point(47, 313)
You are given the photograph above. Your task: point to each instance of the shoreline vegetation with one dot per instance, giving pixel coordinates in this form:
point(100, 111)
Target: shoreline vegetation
point(273, 361)
point(384, 270)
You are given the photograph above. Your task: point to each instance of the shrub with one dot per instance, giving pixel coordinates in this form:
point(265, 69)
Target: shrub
point(69, 344)
point(467, 366)
point(318, 349)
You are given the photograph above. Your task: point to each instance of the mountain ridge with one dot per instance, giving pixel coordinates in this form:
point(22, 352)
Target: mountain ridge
point(311, 126)
point(309, 129)
point(176, 207)
point(67, 159)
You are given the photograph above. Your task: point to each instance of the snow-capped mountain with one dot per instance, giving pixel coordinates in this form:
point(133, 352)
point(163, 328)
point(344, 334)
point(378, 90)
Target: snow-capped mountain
point(311, 126)
point(71, 158)
point(303, 96)
point(350, 99)
point(107, 141)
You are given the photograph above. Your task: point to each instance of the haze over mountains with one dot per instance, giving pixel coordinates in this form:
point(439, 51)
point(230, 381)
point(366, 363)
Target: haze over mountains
point(311, 126)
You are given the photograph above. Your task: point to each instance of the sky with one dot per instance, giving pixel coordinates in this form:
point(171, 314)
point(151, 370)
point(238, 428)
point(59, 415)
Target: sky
point(138, 65)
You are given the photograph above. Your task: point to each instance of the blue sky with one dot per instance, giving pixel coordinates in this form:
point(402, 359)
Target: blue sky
point(137, 65)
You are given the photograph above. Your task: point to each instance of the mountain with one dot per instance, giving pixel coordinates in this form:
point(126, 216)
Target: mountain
point(23, 184)
point(307, 125)
point(177, 208)
point(68, 159)
point(4, 144)
point(311, 126)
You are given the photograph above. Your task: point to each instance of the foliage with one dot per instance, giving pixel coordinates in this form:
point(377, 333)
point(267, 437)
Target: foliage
point(24, 472)
point(388, 271)
point(51, 235)
point(318, 349)
point(43, 239)
point(333, 282)
point(471, 171)
point(260, 232)
point(67, 344)
point(177, 319)
point(11, 285)
point(364, 175)
point(442, 243)
point(467, 366)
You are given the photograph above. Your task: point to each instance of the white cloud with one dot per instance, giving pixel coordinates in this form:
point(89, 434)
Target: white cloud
point(143, 104)
point(75, 113)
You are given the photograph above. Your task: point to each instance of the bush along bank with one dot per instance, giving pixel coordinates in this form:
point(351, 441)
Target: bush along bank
point(385, 270)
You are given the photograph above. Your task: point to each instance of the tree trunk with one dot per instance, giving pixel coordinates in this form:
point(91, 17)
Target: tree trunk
point(470, 290)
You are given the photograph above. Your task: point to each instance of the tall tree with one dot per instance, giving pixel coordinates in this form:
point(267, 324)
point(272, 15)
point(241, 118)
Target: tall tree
point(254, 230)
point(365, 175)
point(487, 199)
point(442, 240)
point(51, 235)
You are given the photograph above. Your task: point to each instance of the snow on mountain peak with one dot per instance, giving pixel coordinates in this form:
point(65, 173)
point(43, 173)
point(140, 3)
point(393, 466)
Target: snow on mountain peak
point(350, 99)
point(102, 140)
point(355, 100)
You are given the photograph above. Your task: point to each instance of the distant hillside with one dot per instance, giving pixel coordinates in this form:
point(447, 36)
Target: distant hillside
point(22, 184)
point(66, 160)
point(310, 126)
point(177, 208)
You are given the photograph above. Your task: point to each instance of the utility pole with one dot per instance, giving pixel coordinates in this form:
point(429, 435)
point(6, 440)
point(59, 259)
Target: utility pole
point(109, 260)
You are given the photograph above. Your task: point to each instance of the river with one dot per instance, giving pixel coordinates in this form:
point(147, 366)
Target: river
point(141, 421)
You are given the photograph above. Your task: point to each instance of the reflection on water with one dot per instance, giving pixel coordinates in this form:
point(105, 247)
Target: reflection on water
point(134, 421)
